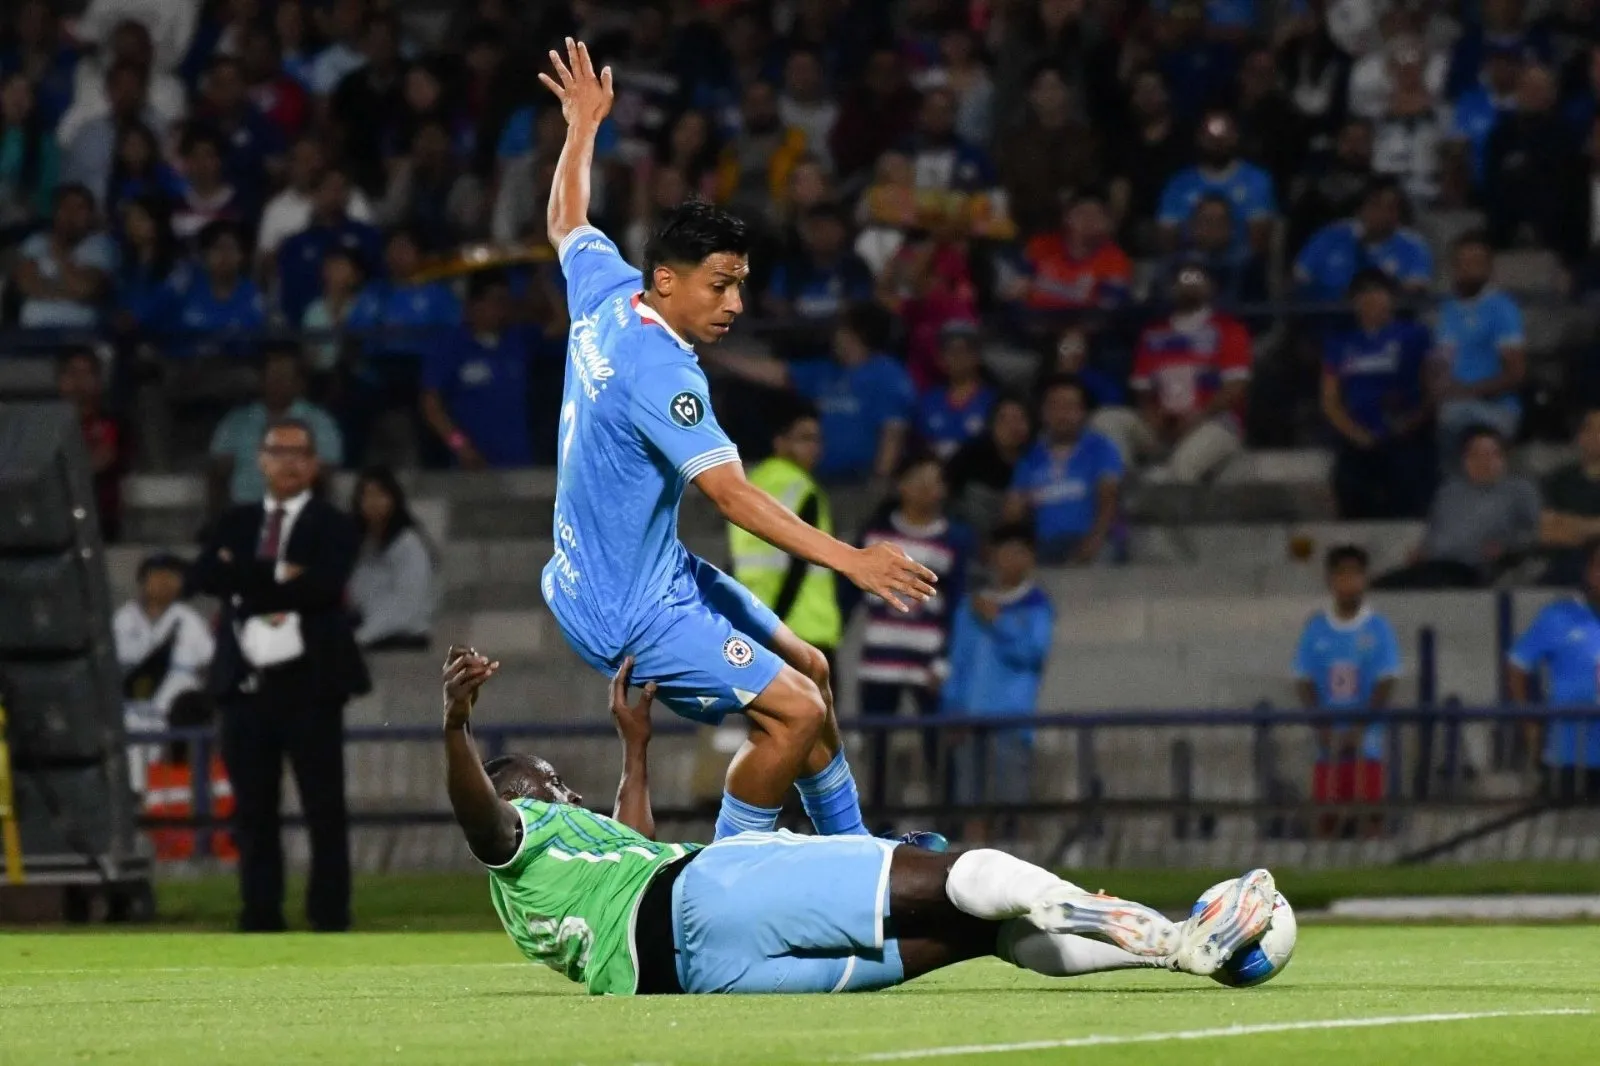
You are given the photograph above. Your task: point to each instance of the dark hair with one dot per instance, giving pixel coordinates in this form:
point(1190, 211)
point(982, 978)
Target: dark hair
point(689, 233)
point(162, 561)
point(283, 350)
point(197, 133)
point(515, 776)
point(868, 321)
point(216, 230)
point(1382, 183)
point(290, 422)
point(166, 251)
point(915, 458)
point(1472, 237)
point(1340, 554)
point(1369, 278)
point(127, 66)
point(1590, 547)
point(401, 520)
point(824, 211)
point(1012, 533)
point(73, 354)
point(791, 411)
point(1009, 399)
point(1478, 432)
point(221, 60)
point(349, 255)
point(1213, 198)
point(72, 188)
point(482, 283)
point(1065, 381)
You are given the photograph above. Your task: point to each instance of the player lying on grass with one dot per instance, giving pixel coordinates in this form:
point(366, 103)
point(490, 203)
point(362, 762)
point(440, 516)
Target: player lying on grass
point(636, 430)
point(599, 900)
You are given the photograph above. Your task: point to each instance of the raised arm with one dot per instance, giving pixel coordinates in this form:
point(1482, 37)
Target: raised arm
point(882, 569)
point(585, 101)
point(633, 726)
point(489, 822)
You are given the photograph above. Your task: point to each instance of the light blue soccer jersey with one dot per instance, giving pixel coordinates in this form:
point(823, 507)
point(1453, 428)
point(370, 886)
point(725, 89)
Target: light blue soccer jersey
point(1564, 640)
point(1345, 661)
point(636, 428)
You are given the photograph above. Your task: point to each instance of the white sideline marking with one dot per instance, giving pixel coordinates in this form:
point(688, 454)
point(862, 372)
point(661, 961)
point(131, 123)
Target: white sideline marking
point(69, 971)
point(1209, 1034)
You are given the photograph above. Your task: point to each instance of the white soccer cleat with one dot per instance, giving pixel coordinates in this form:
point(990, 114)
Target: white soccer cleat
point(1233, 919)
point(1133, 927)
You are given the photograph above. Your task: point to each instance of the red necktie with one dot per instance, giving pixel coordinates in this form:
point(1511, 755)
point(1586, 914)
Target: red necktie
point(271, 533)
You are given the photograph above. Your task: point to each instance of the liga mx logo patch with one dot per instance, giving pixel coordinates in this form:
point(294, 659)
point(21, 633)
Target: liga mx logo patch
point(738, 652)
point(687, 409)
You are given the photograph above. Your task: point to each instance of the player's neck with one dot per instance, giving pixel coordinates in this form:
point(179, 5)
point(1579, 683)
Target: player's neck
point(1347, 610)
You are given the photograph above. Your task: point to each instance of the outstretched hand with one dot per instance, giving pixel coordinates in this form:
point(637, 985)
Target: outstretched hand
point(465, 672)
point(585, 96)
point(886, 571)
point(633, 722)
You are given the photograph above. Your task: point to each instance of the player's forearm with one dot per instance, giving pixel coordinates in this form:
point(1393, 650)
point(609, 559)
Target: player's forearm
point(569, 191)
point(488, 823)
point(1517, 684)
point(633, 791)
point(756, 511)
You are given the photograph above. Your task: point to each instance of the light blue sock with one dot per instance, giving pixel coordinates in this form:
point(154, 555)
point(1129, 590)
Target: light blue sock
point(737, 816)
point(831, 802)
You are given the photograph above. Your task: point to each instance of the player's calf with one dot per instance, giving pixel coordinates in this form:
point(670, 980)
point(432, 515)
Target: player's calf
point(785, 722)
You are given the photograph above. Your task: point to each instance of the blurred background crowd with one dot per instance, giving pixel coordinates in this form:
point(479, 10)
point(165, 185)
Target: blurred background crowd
point(1032, 277)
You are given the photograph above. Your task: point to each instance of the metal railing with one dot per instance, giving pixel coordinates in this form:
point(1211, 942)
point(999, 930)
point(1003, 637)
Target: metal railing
point(1192, 788)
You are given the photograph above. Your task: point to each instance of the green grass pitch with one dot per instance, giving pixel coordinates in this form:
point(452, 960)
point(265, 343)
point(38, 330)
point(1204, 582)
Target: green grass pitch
point(171, 998)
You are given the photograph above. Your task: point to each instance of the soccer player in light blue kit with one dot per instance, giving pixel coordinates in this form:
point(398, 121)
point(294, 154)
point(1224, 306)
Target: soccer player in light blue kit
point(601, 902)
point(636, 429)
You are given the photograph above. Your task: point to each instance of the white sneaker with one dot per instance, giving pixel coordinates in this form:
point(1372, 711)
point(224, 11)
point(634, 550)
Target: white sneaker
point(1133, 927)
point(1232, 920)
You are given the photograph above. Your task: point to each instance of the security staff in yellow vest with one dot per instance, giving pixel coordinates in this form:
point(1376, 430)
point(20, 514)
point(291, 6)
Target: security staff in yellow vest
point(800, 594)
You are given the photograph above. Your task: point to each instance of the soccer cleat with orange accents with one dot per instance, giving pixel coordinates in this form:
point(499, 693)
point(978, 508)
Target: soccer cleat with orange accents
point(1232, 920)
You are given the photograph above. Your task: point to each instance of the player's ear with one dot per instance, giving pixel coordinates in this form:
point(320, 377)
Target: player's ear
point(661, 280)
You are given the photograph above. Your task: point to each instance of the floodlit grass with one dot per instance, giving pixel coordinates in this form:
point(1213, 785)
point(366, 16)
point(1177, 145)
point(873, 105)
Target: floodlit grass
point(162, 997)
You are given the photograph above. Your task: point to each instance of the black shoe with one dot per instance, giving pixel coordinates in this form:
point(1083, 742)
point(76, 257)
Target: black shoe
point(253, 924)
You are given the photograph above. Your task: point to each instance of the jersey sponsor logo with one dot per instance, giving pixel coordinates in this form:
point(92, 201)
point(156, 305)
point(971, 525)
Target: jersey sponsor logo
point(687, 409)
point(583, 348)
point(738, 652)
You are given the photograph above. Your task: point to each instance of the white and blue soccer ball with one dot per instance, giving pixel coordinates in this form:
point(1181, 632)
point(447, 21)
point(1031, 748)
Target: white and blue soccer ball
point(1263, 958)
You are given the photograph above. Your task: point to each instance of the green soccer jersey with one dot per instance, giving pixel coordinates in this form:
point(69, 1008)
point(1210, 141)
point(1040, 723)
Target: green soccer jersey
point(569, 896)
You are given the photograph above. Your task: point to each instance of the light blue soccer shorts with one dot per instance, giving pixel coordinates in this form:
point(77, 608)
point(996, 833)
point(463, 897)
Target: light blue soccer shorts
point(708, 649)
point(779, 912)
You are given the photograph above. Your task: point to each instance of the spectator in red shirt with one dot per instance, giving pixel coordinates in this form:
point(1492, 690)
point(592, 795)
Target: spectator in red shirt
point(1078, 267)
point(275, 94)
point(929, 284)
point(1191, 372)
point(79, 382)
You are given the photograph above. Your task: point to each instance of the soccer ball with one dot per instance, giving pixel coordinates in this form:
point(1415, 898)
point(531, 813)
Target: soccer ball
point(1263, 958)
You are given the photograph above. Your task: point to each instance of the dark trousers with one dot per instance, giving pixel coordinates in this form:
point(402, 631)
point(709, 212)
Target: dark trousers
point(258, 732)
point(1393, 480)
point(880, 700)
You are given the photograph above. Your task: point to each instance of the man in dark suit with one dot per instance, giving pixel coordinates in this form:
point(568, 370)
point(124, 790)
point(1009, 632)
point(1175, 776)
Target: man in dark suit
point(285, 665)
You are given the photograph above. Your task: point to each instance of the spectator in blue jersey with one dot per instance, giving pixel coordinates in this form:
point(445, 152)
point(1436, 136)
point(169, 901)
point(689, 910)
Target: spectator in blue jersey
point(1347, 661)
point(1374, 238)
point(216, 309)
point(138, 170)
point(865, 397)
point(234, 476)
point(1375, 397)
point(1069, 481)
point(300, 257)
point(327, 317)
point(1199, 67)
point(1482, 349)
point(1220, 170)
point(999, 642)
point(1499, 30)
point(1071, 356)
point(825, 278)
point(1238, 273)
point(950, 415)
point(401, 319)
point(475, 383)
point(903, 653)
point(1563, 644)
point(1478, 109)
point(64, 273)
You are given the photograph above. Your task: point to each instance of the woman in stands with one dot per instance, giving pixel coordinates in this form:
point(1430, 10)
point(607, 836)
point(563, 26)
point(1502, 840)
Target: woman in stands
point(392, 588)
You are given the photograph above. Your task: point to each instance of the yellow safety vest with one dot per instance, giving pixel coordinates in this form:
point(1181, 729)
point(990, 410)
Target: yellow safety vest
point(760, 567)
